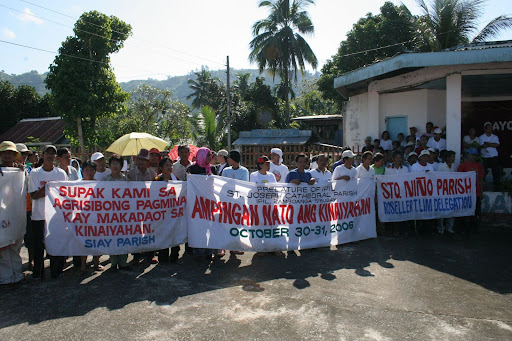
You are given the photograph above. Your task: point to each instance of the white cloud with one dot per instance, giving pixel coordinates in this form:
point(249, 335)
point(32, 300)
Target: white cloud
point(8, 34)
point(28, 15)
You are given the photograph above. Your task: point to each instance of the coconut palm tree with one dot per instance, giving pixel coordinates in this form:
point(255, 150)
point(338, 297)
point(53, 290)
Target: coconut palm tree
point(278, 44)
point(448, 23)
point(242, 81)
point(201, 87)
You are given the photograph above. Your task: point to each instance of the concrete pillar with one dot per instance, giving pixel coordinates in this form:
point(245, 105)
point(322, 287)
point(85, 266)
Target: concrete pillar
point(454, 113)
point(373, 114)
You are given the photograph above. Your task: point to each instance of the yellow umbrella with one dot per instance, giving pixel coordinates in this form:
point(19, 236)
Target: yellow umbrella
point(130, 144)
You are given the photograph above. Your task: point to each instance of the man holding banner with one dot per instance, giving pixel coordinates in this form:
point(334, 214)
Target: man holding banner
point(12, 215)
point(39, 177)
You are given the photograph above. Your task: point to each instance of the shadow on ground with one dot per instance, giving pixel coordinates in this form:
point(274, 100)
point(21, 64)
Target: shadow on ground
point(482, 258)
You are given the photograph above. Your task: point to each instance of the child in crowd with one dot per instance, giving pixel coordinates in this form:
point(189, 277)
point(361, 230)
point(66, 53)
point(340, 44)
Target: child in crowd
point(378, 164)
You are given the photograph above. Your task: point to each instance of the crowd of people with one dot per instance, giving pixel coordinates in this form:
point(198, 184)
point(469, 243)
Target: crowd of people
point(425, 153)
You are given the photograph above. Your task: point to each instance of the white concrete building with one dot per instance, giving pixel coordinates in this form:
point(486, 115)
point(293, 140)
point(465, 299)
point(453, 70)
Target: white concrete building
point(449, 88)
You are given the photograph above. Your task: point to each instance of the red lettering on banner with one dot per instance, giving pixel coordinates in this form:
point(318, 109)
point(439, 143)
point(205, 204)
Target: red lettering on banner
point(255, 215)
point(131, 193)
point(81, 192)
point(453, 186)
point(307, 214)
point(164, 192)
point(344, 210)
point(131, 217)
point(390, 190)
point(78, 217)
point(226, 212)
point(197, 210)
point(112, 230)
point(418, 187)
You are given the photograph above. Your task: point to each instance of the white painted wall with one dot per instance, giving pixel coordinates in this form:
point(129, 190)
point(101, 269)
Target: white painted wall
point(355, 121)
point(436, 107)
point(412, 104)
point(420, 106)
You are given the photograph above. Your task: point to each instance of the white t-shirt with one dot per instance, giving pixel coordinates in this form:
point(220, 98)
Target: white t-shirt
point(489, 151)
point(439, 145)
point(342, 171)
point(281, 169)
point(38, 178)
point(72, 173)
point(99, 175)
point(259, 178)
point(468, 139)
point(321, 177)
point(417, 167)
point(363, 173)
point(386, 145)
point(394, 170)
point(443, 167)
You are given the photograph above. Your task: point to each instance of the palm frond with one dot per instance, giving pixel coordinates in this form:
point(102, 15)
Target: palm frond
point(493, 28)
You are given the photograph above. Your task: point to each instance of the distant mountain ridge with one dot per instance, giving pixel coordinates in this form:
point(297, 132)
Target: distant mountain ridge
point(176, 84)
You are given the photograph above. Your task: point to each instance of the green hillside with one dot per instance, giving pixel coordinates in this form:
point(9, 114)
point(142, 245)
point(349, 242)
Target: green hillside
point(176, 84)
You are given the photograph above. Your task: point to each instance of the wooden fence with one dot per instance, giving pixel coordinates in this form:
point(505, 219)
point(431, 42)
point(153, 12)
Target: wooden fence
point(251, 153)
point(76, 154)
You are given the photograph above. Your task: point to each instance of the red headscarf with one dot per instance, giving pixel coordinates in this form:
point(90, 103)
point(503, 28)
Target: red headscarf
point(202, 154)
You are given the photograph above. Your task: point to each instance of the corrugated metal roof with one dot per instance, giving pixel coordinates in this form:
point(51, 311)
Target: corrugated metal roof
point(492, 52)
point(318, 117)
point(273, 137)
point(48, 129)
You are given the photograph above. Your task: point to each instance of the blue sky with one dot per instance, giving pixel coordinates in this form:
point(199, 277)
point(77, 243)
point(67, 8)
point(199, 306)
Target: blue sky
point(173, 37)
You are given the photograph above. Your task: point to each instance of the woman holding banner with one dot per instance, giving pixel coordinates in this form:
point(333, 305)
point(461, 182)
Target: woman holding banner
point(202, 167)
point(166, 174)
point(115, 164)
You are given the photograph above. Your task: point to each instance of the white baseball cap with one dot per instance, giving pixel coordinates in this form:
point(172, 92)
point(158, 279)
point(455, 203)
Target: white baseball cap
point(96, 156)
point(424, 152)
point(347, 153)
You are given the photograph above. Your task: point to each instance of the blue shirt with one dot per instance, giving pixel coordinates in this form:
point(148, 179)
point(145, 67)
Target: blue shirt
point(241, 173)
point(295, 174)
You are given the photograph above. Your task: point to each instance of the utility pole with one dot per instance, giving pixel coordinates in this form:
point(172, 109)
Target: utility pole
point(228, 106)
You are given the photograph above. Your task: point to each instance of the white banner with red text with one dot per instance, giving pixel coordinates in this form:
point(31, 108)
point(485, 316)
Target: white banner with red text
point(423, 196)
point(242, 216)
point(113, 218)
point(13, 204)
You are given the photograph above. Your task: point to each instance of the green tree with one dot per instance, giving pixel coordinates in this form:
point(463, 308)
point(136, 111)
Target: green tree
point(8, 116)
point(205, 125)
point(380, 36)
point(206, 90)
point(26, 102)
point(20, 103)
point(311, 102)
point(150, 110)
point(259, 109)
point(242, 82)
point(448, 23)
point(83, 84)
point(278, 44)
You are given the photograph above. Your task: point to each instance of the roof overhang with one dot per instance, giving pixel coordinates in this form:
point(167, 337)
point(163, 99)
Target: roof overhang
point(273, 137)
point(357, 81)
point(318, 118)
